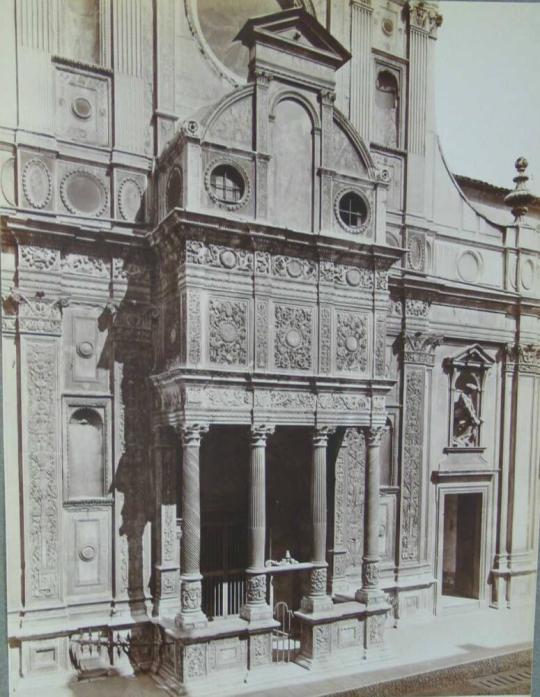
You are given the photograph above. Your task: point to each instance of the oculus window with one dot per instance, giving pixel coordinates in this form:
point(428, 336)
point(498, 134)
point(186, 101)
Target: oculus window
point(352, 211)
point(227, 184)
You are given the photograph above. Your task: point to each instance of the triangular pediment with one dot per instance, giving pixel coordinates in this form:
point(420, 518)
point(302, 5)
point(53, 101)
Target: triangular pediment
point(295, 31)
point(474, 356)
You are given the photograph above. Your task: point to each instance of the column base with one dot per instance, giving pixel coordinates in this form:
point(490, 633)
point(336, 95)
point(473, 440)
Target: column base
point(372, 598)
point(316, 603)
point(254, 613)
point(191, 620)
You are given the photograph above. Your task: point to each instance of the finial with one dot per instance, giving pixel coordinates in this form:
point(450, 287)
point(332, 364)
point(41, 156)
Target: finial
point(520, 197)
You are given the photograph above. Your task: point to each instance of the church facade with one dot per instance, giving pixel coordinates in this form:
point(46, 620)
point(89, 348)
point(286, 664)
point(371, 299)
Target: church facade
point(271, 371)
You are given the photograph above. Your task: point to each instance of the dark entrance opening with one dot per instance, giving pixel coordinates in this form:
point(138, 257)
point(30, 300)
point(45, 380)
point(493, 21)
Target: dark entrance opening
point(461, 545)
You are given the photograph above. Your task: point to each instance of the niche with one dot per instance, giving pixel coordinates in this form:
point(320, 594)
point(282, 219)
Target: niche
point(387, 109)
point(292, 166)
point(86, 453)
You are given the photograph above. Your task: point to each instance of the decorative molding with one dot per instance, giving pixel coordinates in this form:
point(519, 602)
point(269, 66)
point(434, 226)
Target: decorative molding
point(85, 265)
point(39, 258)
point(416, 258)
point(130, 195)
point(294, 268)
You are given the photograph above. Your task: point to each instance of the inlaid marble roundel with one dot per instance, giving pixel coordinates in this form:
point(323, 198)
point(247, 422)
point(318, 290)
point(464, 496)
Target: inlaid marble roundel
point(469, 265)
point(129, 199)
point(37, 183)
point(82, 192)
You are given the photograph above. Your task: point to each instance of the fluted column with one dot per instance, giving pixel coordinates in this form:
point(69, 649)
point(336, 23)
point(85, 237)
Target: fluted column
point(191, 614)
point(318, 599)
point(256, 606)
point(370, 590)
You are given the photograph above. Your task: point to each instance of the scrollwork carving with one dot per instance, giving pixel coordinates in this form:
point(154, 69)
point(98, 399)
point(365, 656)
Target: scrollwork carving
point(256, 588)
point(351, 340)
point(412, 462)
point(227, 332)
point(293, 343)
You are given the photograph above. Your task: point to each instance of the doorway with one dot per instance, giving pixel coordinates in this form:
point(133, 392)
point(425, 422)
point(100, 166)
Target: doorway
point(462, 545)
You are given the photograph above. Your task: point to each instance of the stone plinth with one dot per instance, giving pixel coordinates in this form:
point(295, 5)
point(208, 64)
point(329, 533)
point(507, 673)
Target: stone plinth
point(231, 645)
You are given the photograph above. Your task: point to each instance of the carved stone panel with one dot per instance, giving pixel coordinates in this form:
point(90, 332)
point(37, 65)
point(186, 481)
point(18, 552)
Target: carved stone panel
point(293, 337)
point(82, 106)
point(227, 333)
point(41, 467)
point(412, 461)
point(349, 501)
point(351, 341)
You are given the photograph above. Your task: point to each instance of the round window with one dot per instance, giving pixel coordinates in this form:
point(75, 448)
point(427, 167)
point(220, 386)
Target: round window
point(227, 184)
point(352, 210)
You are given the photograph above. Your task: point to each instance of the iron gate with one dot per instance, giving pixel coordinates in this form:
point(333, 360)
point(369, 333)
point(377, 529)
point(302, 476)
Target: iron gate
point(285, 643)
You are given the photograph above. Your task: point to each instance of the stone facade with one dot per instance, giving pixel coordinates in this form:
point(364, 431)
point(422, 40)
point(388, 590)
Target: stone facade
point(265, 358)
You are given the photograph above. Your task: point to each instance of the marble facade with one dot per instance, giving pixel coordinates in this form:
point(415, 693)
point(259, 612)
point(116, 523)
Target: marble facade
point(260, 346)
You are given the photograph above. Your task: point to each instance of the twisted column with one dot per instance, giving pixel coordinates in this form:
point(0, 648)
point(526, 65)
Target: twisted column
point(255, 606)
point(370, 590)
point(190, 575)
point(317, 599)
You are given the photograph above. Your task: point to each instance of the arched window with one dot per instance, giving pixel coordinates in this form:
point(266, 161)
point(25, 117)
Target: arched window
point(86, 455)
point(387, 109)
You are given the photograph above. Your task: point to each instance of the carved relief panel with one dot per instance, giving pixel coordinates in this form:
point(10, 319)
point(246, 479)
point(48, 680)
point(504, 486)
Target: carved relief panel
point(293, 337)
point(227, 332)
point(83, 105)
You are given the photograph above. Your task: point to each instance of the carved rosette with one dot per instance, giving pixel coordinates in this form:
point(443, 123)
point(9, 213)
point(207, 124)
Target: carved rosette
point(227, 332)
point(191, 596)
point(351, 340)
point(256, 589)
point(293, 337)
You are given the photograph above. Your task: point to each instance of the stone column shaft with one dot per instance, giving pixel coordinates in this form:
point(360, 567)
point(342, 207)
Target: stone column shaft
point(191, 595)
point(370, 563)
point(255, 606)
point(317, 599)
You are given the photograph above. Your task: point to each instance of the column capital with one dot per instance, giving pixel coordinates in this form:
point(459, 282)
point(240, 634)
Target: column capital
point(259, 433)
point(374, 435)
point(419, 347)
point(191, 434)
point(321, 434)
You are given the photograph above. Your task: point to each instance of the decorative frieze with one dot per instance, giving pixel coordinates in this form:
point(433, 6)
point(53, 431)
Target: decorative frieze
point(347, 276)
point(342, 401)
point(39, 258)
point(294, 268)
point(39, 316)
point(293, 337)
point(412, 461)
point(227, 333)
point(351, 341)
point(289, 400)
point(526, 357)
point(217, 256)
point(85, 265)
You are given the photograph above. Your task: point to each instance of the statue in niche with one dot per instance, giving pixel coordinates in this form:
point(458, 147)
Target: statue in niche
point(466, 412)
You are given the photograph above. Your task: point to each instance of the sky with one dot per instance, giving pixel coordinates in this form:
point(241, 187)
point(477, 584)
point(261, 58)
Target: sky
point(487, 89)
